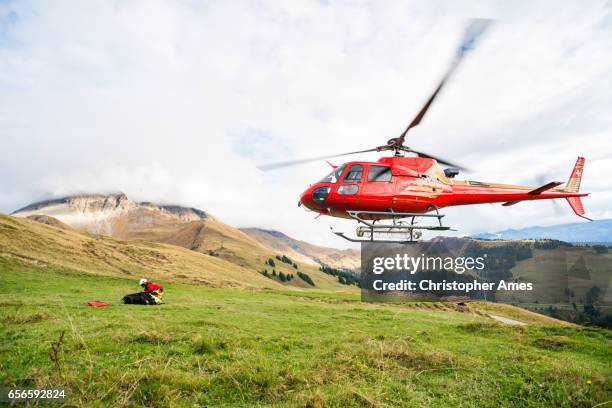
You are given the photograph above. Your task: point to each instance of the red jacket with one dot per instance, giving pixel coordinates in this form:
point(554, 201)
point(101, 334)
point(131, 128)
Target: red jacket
point(152, 287)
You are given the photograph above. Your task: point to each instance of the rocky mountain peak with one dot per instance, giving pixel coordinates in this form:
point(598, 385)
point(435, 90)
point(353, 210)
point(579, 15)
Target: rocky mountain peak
point(106, 213)
point(80, 202)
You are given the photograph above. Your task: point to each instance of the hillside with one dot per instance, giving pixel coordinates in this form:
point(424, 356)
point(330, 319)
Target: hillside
point(336, 258)
point(598, 231)
point(54, 222)
point(48, 246)
point(569, 282)
point(117, 216)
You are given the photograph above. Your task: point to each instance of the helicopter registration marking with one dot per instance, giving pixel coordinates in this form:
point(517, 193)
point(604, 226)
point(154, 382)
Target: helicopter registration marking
point(424, 187)
point(431, 182)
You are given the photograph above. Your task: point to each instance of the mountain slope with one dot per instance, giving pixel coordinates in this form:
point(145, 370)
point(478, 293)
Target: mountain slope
point(569, 282)
point(34, 243)
point(300, 250)
point(54, 222)
point(118, 216)
point(599, 231)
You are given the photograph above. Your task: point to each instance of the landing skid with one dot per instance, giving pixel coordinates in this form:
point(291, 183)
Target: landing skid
point(396, 232)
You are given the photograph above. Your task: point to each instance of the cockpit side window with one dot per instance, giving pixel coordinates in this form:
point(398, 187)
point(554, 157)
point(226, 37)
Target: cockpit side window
point(333, 176)
point(379, 173)
point(354, 173)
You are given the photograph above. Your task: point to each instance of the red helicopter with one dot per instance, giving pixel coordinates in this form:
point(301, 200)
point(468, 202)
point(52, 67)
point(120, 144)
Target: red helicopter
point(389, 197)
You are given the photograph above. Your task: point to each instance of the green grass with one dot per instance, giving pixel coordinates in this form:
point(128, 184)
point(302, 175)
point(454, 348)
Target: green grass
point(222, 347)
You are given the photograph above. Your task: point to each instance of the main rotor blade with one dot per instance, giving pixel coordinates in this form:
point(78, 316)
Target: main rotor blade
point(439, 160)
point(474, 29)
point(272, 166)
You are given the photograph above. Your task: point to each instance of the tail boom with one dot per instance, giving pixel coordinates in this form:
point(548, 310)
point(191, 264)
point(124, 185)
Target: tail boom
point(479, 193)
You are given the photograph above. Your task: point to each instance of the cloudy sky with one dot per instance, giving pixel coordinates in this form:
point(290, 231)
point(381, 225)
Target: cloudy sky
point(178, 101)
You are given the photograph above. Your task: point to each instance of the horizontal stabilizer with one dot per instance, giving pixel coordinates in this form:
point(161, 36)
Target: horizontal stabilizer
point(535, 191)
point(545, 187)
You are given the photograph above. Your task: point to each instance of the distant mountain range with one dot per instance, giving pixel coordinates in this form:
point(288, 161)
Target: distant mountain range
point(599, 231)
point(117, 216)
point(304, 251)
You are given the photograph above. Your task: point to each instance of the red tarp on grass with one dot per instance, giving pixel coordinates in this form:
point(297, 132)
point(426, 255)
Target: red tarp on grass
point(97, 303)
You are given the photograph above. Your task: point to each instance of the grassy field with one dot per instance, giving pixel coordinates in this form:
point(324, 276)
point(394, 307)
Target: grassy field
point(269, 347)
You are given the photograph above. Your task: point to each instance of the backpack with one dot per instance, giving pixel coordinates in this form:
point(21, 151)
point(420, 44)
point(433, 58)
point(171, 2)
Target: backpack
point(140, 298)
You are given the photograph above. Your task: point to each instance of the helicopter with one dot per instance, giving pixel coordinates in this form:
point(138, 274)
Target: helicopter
point(392, 197)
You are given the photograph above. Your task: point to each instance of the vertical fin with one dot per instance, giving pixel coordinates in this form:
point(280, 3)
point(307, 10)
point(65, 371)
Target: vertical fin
point(576, 205)
point(573, 184)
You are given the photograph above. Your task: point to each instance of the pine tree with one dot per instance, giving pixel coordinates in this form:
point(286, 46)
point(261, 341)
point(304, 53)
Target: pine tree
point(306, 278)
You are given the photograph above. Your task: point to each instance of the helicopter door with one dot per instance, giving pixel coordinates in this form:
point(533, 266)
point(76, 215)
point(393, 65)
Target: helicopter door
point(378, 188)
point(349, 188)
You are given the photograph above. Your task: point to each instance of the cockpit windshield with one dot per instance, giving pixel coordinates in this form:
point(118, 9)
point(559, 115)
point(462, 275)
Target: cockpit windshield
point(333, 176)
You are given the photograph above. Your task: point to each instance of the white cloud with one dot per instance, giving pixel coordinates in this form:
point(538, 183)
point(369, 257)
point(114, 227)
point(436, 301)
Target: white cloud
point(177, 101)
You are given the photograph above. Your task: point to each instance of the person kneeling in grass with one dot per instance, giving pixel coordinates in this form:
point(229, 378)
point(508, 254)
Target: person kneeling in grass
point(153, 290)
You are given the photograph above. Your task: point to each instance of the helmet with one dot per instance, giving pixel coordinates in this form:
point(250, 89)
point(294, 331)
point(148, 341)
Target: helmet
point(142, 282)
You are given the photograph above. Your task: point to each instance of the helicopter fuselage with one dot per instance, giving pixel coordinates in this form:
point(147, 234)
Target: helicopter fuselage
point(414, 185)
